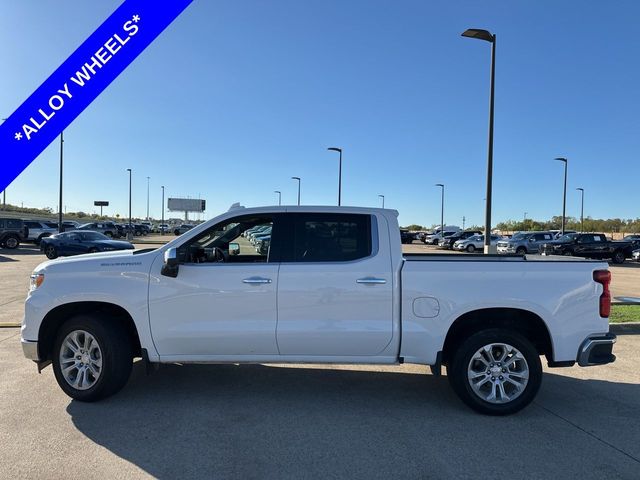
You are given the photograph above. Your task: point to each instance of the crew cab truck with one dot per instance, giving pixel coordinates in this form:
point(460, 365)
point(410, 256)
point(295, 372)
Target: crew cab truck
point(333, 287)
point(590, 245)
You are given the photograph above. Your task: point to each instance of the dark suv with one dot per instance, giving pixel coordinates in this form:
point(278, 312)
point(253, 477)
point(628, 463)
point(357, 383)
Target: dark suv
point(106, 228)
point(12, 232)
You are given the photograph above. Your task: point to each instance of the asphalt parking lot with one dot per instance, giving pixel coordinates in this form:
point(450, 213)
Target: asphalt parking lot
point(310, 421)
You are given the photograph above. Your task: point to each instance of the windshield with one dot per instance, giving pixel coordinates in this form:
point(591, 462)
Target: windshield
point(519, 236)
point(90, 236)
point(569, 237)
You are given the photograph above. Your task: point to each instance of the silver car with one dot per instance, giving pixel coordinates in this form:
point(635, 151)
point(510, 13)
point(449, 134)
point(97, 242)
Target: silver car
point(524, 242)
point(474, 243)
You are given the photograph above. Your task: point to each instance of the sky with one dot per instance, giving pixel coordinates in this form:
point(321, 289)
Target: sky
point(236, 97)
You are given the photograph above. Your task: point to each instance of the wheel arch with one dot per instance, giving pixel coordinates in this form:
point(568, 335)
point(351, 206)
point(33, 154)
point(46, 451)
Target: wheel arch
point(524, 322)
point(60, 314)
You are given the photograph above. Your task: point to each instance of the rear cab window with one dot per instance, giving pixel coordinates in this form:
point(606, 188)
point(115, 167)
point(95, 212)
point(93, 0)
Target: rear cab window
point(328, 237)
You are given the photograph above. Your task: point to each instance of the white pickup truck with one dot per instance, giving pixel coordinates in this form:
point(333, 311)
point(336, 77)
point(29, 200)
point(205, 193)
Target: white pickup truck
point(332, 286)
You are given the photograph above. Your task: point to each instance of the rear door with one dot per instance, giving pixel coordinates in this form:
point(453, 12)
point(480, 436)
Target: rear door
point(335, 286)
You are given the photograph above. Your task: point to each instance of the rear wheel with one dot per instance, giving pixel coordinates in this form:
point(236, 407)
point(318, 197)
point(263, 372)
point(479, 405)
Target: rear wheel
point(618, 257)
point(495, 371)
point(92, 357)
point(51, 252)
point(11, 242)
point(471, 248)
point(521, 250)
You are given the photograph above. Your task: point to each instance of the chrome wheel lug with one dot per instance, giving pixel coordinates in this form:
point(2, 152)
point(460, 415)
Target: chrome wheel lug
point(501, 378)
point(493, 378)
point(504, 370)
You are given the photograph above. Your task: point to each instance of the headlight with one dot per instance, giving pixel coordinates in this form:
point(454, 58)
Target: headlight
point(35, 281)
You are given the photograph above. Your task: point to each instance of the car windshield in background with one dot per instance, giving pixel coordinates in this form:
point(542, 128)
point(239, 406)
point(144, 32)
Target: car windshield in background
point(93, 236)
point(519, 236)
point(569, 237)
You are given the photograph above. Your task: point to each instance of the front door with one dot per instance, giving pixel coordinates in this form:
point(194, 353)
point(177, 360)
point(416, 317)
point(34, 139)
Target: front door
point(223, 299)
point(335, 287)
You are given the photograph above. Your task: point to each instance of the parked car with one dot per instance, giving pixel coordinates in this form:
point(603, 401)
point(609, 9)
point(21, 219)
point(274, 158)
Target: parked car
point(38, 230)
point(406, 237)
point(77, 242)
point(141, 229)
point(437, 235)
point(447, 242)
point(185, 227)
point(106, 228)
point(66, 225)
point(634, 239)
point(12, 232)
point(589, 245)
point(263, 244)
point(334, 287)
point(163, 228)
point(473, 243)
point(524, 242)
point(635, 255)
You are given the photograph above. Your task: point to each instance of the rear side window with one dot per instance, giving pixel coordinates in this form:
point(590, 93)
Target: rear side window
point(14, 224)
point(330, 237)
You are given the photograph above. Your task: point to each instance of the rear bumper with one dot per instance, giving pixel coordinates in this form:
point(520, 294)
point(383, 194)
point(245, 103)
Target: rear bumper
point(597, 350)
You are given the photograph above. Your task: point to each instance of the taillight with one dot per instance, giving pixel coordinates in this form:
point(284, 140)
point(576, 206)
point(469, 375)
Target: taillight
point(603, 277)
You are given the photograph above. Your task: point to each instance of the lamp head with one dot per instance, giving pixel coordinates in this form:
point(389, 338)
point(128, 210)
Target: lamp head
point(479, 34)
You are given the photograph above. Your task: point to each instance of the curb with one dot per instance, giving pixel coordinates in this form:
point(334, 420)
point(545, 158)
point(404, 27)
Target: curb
point(629, 328)
point(10, 325)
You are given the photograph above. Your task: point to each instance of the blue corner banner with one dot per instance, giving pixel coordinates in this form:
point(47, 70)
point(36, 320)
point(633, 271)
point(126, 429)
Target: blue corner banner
point(80, 79)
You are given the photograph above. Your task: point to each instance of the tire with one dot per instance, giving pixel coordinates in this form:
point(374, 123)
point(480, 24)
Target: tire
point(521, 251)
point(618, 257)
point(11, 242)
point(176, 232)
point(465, 364)
point(470, 248)
point(51, 252)
point(113, 354)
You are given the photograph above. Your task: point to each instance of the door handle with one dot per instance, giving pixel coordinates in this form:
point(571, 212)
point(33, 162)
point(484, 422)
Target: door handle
point(256, 280)
point(371, 281)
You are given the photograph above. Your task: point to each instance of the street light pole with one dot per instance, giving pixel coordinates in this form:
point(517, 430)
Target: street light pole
point(299, 182)
point(148, 178)
point(581, 209)
point(130, 232)
point(491, 38)
point(162, 210)
point(279, 196)
point(60, 192)
point(382, 197)
point(564, 192)
point(336, 149)
point(441, 210)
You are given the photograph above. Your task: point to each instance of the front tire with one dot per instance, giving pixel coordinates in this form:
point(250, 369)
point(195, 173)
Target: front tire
point(495, 371)
point(471, 248)
point(51, 252)
point(521, 251)
point(92, 357)
point(618, 257)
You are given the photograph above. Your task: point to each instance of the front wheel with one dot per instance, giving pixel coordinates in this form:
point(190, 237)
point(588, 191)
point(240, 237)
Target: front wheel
point(51, 252)
point(521, 251)
point(92, 357)
point(471, 248)
point(495, 371)
point(618, 257)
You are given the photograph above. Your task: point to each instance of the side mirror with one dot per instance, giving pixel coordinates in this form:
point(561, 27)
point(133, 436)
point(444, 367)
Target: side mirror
point(234, 248)
point(170, 265)
point(532, 239)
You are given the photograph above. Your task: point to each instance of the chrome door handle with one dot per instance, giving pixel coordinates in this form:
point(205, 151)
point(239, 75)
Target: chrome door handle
point(371, 281)
point(256, 280)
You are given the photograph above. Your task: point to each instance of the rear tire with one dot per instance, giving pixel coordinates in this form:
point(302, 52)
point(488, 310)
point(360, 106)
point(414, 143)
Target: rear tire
point(96, 372)
point(512, 377)
point(521, 251)
point(11, 242)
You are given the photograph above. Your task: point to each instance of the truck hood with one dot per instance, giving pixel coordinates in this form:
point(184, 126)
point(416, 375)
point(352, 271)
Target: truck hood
point(125, 259)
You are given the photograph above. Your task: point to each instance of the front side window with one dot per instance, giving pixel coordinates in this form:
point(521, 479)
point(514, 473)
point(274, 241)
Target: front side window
point(330, 237)
point(244, 239)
